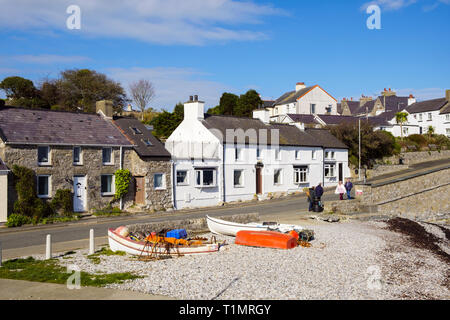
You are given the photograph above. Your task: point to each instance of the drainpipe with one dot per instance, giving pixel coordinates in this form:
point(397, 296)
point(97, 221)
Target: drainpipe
point(323, 167)
point(223, 171)
point(174, 181)
point(121, 167)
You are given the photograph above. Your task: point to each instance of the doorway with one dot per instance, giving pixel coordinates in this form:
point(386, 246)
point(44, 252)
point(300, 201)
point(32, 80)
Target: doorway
point(139, 196)
point(341, 172)
point(79, 194)
point(258, 181)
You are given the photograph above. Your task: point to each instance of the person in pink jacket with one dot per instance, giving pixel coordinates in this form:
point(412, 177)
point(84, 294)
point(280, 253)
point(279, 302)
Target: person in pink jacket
point(340, 189)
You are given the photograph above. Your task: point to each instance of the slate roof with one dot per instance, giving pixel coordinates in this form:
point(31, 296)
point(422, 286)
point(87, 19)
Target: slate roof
point(394, 103)
point(325, 138)
point(446, 109)
point(156, 149)
point(267, 103)
point(42, 126)
point(335, 120)
point(303, 118)
point(289, 135)
point(353, 106)
point(367, 106)
point(428, 105)
point(292, 96)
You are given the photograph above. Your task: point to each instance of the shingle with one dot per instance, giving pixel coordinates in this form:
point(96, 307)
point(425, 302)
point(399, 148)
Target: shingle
point(428, 105)
point(37, 126)
point(156, 149)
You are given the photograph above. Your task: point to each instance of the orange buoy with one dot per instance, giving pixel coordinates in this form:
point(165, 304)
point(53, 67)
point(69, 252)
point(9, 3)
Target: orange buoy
point(267, 239)
point(294, 234)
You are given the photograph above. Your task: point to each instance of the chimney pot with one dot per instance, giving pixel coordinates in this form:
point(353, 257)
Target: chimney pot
point(195, 97)
point(191, 98)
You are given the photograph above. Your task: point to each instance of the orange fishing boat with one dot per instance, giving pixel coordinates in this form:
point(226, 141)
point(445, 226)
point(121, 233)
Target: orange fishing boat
point(267, 239)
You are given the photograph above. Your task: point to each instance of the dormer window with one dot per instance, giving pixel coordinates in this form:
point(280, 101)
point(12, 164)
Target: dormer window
point(44, 156)
point(136, 130)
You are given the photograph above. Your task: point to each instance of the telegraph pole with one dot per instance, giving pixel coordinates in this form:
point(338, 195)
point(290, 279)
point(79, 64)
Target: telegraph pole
point(359, 149)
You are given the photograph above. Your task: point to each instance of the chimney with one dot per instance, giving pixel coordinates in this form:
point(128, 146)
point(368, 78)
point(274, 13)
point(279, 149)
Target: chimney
point(364, 100)
point(447, 95)
point(194, 109)
point(299, 86)
point(389, 93)
point(411, 100)
point(262, 114)
point(104, 108)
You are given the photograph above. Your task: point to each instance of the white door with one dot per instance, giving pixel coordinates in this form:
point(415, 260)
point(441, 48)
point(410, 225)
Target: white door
point(79, 194)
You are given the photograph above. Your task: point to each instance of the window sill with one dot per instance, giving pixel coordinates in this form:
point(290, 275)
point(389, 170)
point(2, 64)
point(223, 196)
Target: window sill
point(44, 197)
point(160, 189)
point(239, 187)
point(44, 164)
point(108, 164)
point(78, 164)
point(182, 184)
point(107, 194)
point(202, 187)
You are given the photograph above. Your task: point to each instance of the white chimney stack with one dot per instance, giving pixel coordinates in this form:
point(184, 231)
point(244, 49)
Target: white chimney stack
point(262, 114)
point(194, 109)
point(299, 86)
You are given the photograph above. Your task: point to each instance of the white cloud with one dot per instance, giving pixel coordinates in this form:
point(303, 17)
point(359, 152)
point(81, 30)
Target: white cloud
point(45, 59)
point(193, 22)
point(173, 85)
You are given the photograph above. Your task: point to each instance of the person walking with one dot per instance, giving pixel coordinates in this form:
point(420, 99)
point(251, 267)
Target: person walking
point(348, 188)
point(319, 191)
point(311, 194)
point(340, 189)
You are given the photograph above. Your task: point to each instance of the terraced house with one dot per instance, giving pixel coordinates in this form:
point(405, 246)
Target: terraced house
point(77, 151)
point(218, 159)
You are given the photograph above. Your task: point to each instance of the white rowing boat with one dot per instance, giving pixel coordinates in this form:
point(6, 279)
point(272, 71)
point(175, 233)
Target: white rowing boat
point(229, 228)
point(120, 243)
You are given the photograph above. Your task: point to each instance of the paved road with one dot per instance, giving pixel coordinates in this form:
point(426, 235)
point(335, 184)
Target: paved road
point(26, 237)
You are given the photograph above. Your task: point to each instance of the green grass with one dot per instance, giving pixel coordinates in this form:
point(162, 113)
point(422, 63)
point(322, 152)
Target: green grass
point(49, 271)
point(95, 258)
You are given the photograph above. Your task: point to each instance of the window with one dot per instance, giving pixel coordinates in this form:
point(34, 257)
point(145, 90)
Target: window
point(405, 131)
point(447, 117)
point(329, 154)
point(238, 178)
point(430, 117)
point(182, 178)
point(107, 184)
point(77, 155)
point(136, 130)
point(329, 108)
point(420, 117)
point(300, 174)
point(277, 154)
point(313, 108)
point(147, 142)
point(205, 178)
point(43, 186)
point(238, 154)
point(107, 156)
point(44, 155)
point(330, 170)
point(297, 154)
point(313, 154)
point(258, 153)
point(159, 181)
point(277, 176)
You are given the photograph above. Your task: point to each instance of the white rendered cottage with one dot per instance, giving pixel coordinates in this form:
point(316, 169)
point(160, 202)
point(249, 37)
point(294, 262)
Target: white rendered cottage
point(224, 158)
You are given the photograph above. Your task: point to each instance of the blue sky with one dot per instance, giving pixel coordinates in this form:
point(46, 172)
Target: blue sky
point(207, 47)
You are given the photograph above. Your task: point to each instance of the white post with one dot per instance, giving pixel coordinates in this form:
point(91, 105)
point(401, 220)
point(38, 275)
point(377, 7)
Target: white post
point(91, 241)
point(48, 249)
point(359, 147)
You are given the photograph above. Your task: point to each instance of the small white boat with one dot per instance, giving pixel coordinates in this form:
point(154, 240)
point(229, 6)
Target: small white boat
point(229, 228)
point(120, 243)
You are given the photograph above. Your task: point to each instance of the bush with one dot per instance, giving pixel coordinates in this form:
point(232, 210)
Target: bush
point(17, 220)
point(107, 211)
point(62, 202)
point(122, 179)
point(418, 140)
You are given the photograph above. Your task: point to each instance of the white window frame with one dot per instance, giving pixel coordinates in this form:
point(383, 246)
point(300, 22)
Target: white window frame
point(80, 155)
point(49, 156)
point(280, 182)
point(313, 155)
point(311, 107)
point(238, 154)
point(420, 117)
point(258, 153)
point(113, 185)
point(200, 171)
point(241, 185)
point(163, 181)
point(430, 116)
point(447, 117)
point(297, 154)
point(48, 195)
point(277, 154)
point(186, 182)
point(111, 155)
point(331, 168)
point(298, 172)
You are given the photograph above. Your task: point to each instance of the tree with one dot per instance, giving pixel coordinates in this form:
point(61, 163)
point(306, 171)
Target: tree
point(18, 87)
point(247, 103)
point(80, 89)
point(430, 131)
point(401, 118)
point(166, 122)
point(142, 93)
point(228, 103)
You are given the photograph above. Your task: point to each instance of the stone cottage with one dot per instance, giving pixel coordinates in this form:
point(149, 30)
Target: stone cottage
point(150, 166)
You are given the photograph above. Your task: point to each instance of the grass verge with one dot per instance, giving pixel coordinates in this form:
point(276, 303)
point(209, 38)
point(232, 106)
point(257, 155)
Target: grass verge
point(95, 258)
point(49, 271)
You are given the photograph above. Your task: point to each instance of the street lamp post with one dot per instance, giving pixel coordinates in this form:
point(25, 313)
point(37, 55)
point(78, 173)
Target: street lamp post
point(359, 149)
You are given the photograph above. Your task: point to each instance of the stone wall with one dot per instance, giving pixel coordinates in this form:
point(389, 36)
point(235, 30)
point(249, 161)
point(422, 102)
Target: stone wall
point(62, 169)
point(199, 224)
point(342, 206)
point(155, 200)
point(379, 170)
point(418, 157)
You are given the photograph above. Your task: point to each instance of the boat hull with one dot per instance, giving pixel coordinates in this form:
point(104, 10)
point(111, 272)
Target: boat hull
point(228, 228)
point(119, 243)
point(265, 239)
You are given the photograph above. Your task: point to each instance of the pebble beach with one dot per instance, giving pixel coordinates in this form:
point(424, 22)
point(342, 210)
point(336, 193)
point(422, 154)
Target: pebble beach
point(350, 260)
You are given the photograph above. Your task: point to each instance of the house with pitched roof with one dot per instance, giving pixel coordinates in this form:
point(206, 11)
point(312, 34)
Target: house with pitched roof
point(303, 100)
point(218, 159)
point(434, 113)
point(82, 152)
